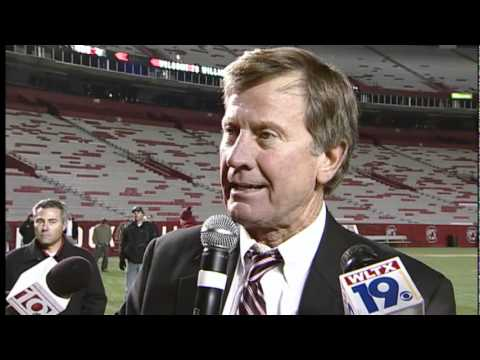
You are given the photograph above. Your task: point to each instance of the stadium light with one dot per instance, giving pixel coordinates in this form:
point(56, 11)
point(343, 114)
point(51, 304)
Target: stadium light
point(461, 96)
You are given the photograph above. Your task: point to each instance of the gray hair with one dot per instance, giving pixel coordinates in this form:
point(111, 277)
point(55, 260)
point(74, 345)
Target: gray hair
point(52, 203)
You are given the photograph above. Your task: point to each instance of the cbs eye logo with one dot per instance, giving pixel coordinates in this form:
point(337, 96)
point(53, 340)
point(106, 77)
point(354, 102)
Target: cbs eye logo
point(406, 295)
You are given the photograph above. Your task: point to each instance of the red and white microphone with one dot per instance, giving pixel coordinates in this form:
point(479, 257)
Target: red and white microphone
point(46, 288)
point(377, 288)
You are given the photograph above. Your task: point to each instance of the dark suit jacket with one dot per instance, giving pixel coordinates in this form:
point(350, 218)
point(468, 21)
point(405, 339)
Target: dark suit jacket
point(167, 282)
point(89, 301)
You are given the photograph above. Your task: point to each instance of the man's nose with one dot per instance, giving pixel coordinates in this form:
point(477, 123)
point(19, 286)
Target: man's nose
point(242, 152)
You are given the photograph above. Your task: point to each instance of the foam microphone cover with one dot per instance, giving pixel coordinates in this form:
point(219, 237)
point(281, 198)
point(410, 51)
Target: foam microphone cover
point(356, 257)
point(69, 276)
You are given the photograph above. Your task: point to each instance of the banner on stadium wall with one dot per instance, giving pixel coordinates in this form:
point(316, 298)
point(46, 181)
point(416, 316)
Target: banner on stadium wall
point(391, 230)
point(431, 234)
point(472, 235)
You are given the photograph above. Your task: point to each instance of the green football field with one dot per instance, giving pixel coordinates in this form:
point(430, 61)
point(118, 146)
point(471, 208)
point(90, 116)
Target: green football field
point(457, 264)
point(460, 265)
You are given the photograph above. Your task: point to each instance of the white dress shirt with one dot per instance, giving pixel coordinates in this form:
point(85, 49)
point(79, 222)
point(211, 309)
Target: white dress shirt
point(283, 285)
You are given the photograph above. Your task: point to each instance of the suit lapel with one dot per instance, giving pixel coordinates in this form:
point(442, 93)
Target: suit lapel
point(321, 293)
point(186, 294)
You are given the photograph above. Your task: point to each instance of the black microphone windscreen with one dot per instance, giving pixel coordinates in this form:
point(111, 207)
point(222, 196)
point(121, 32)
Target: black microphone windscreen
point(69, 276)
point(356, 257)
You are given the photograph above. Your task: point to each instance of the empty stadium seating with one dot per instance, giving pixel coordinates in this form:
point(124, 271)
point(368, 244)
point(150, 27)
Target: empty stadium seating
point(83, 162)
point(398, 67)
point(72, 152)
point(102, 157)
point(212, 55)
point(431, 203)
point(438, 65)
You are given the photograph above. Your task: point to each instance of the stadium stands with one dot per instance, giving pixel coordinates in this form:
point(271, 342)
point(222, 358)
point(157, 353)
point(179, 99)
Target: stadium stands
point(419, 68)
point(103, 156)
point(438, 198)
point(211, 55)
point(104, 173)
point(92, 154)
point(441, 66)
point(368, 67)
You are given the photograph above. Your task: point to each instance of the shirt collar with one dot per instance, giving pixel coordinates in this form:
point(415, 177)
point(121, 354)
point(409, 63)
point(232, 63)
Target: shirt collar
point(40, 253)
point(297, 252)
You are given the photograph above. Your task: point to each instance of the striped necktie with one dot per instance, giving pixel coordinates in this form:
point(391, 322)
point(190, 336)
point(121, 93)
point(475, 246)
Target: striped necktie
point(252, 300)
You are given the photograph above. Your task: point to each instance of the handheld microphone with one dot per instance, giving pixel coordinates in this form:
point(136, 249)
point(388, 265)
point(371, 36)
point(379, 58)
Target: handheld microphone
point(219, 236)
point(374, 287)
point(46, 288)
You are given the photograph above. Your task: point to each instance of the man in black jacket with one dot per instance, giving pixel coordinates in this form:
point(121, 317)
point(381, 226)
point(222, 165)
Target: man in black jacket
point(27, 231)
point(134, 241)
point(49, 222)
point(74, 231)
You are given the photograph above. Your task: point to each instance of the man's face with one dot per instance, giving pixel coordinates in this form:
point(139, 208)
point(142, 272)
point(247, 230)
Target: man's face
point(267, 168)
point(138, 216)
point(49, 226)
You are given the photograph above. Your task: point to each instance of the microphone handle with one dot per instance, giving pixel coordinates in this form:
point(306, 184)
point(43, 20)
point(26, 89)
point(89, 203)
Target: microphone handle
point(207, 301)
point(9, 310)
point(209, 298)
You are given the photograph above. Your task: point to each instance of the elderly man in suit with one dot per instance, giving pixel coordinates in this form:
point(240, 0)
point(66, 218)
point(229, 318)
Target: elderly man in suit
point(289, 129)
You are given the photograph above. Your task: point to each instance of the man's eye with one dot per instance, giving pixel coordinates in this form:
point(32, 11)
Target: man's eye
point(230, 132)
point(267, 135)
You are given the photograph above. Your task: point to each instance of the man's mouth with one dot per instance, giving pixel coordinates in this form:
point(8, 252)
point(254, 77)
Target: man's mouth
point(245, 187)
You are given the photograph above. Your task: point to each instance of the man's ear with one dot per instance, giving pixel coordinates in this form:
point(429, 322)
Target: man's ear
point(329, 162)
